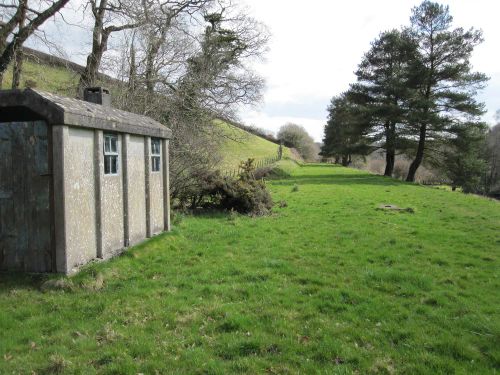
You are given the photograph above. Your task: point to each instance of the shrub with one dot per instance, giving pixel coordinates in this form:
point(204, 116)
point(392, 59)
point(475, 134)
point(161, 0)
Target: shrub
point(244, 194)
point(297, 137)
point(271, 172)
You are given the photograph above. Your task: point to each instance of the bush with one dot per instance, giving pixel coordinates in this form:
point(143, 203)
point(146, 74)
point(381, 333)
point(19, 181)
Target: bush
point(297, 137)
point(244, 194)
point(271, 172)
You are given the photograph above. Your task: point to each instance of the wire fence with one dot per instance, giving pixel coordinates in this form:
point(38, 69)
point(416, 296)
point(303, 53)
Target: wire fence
point(258, 163)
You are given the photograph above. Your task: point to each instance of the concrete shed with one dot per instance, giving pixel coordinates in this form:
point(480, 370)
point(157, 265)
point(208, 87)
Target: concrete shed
point(79, 180)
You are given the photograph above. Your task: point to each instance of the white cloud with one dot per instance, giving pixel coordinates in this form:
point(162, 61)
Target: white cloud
point(316, 46)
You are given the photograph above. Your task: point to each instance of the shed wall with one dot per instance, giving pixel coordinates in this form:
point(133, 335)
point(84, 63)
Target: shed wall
point(156, 194)
point(112, 220)
point(79, 197)
point(136, 185)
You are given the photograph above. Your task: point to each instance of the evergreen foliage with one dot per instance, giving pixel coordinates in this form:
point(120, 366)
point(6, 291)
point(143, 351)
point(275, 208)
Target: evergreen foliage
point(345, 131)
point(445, 92)
point(415, 95)
point(384, 89)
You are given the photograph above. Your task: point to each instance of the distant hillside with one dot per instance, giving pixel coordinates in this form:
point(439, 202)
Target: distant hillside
point(242, 145)
point(53, 74)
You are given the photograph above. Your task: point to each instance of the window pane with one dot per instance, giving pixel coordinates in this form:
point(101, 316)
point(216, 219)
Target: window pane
point(107, 164)
point(114, 164)
point(114, 141)
point(107, 147)
point(155, 163)
point(155, 146)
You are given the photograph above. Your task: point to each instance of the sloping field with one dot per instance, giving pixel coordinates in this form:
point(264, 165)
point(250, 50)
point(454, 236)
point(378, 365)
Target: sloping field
point(327, 284)
point(46, 78)
point(241, 145)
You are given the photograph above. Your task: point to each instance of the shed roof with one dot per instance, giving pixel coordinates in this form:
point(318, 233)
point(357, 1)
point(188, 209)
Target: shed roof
point(29, 104)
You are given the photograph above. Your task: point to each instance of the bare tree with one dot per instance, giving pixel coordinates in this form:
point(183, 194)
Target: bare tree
point(18, 58)
point(110, 16)
point(189, 65)
point(19, 22)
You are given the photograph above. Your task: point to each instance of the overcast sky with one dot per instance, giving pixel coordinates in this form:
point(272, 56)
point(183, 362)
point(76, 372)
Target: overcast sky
point(315, 48)
point(317, 44)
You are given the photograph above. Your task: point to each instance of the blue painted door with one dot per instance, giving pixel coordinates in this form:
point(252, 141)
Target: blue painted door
point(25, 178)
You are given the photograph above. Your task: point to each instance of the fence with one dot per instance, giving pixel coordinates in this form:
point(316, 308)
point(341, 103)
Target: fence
point(258, 163)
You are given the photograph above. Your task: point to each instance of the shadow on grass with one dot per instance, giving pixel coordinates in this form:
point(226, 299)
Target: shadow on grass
point(340, 179)
point(19, 281)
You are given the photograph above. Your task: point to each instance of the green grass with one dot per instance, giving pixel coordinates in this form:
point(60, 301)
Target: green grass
point(47, 78)
point(328, 284)
point(241, 145)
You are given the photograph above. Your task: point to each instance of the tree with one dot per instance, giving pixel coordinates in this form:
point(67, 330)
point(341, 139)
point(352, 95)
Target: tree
point(19, 56)
point(464, 159)
point(345, 131)
point(198, 71)
point(293, 135)
point(493, 149)
point(22, 21)
point(445, 92)
point(383, 90)
point(110, 16)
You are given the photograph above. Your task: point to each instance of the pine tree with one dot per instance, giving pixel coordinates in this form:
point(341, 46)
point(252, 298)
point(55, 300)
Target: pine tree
point(345, 131)
point(384, 90)
point(447, 86)
point(465, 158)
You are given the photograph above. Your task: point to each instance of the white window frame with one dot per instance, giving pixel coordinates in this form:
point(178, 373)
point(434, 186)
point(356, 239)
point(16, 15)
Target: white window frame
point(111, 154)
point(155, 155)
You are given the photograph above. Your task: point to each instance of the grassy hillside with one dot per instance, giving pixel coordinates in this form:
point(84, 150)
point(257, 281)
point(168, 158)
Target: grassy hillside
point(328, 284)
point(241, 145)
point(46, 78)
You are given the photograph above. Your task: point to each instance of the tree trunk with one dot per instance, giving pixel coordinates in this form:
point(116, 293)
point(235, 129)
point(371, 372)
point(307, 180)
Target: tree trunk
point(133, 69)
point(7, 54)
point(345, 160)
point(19, 56)
point(419, 156)
point(390, 158)
point(99, 46)
point(18, 69)
point(390, 149)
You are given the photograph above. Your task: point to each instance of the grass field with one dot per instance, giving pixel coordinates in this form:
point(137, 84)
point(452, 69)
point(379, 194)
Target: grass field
point(328, 284)
point(241, 145)
point(47, 78)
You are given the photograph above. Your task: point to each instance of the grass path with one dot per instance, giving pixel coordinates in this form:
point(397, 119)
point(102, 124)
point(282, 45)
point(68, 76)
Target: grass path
point(326, 285)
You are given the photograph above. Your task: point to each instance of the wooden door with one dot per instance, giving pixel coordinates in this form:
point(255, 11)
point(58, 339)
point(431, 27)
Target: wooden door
point(25, 213)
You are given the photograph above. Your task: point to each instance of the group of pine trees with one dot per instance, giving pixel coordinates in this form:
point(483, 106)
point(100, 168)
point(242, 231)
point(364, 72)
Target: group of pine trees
point(414, 96)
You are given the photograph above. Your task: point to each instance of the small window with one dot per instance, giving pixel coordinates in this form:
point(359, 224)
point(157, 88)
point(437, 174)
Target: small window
point(110, 154)
point(155, 154)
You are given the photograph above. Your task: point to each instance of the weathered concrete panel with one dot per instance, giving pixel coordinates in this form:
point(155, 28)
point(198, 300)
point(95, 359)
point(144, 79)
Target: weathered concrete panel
point(166, 184)
point(136, 186)
point(112, 222)
point(79, 197)
point(156, 219)
point(59, 138)
point(156, 191)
